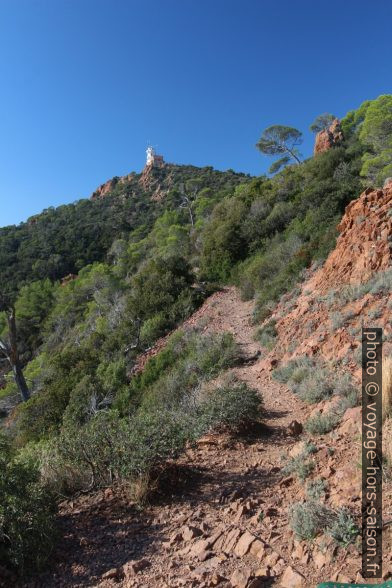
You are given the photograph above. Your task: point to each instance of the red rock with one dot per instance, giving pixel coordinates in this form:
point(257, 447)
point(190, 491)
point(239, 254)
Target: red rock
point(295, 428)
point(190, 533)
point(175, 538)
point(240, 578)
point(292, 579)
point(112, 574)
point(328, 138)
point(216, 579)
point(244, 544)
point(257, 549)
point(231, 540)
point(133, 567)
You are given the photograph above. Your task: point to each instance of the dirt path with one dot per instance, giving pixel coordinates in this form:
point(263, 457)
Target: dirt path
point(229, 313)
point(215, 494)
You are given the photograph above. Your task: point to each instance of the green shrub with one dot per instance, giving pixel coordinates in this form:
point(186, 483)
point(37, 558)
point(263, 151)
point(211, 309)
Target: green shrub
point(301, 365)
point(199, 358)
point(316, 489)
point(109, 448)
point(314, 385)
point(321, 424)
point(153, 328)
point(267, 334)
point(26, 515)
point(308, 519)
point(343, 529)
point(233, 406)
point(302, 469)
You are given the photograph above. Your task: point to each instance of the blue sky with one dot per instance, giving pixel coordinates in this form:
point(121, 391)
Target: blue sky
point(86, 83)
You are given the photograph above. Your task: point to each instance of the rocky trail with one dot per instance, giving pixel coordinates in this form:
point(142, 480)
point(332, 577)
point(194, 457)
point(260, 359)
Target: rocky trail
point(221, 516)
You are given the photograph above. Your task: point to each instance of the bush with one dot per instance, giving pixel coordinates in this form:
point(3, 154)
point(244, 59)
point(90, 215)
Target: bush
point(109, 448)
point(307, 519)
point(267, 334)
point(316, 489)
point(343, 529)
point(153, 328)
point(314, 385)
point(310, 518)
point(337, 320)
point(233, 406)
point(313, 382)
point(302, 469)
point(321, 424)
point(285, 372)
point(27, 512)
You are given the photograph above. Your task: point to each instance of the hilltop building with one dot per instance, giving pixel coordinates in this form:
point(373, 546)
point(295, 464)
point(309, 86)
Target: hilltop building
point(153, 159)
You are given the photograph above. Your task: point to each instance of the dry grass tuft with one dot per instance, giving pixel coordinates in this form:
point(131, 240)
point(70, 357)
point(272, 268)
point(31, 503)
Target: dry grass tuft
point(387, 387)
point(140, 489)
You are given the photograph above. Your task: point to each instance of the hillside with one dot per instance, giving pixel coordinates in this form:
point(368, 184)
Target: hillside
point(60, 241)
point(189, 341)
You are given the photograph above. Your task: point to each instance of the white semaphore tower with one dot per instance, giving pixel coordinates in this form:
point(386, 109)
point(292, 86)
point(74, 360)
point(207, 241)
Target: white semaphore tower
point(153, 159)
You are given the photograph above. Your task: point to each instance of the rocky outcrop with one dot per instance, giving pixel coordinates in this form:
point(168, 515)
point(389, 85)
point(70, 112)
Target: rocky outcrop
point(104, 189)
point(151, 180)
point(67, 279)
point(364, 244)
point(328, 137)
point(326, 318)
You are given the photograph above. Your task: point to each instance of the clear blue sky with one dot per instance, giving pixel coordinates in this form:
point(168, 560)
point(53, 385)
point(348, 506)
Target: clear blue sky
point(86, 83)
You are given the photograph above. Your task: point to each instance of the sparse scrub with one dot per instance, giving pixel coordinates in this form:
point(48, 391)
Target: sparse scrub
point(379, 283)
point(314, 382)
point(311, 518)
point(315, 386)
point(374, 314)
point(347, 398)
point(346, 402)
point(316, 489)
point(296, 366)
point(321, 424)
point(343, 529)
point(343, 386)
point(27, 512)
point(232, 406)
point(267, 334)
point(299, 465)
point(308, 519)
point(337, 320)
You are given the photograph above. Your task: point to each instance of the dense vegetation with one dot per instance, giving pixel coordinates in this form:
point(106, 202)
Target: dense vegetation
point(142, 267)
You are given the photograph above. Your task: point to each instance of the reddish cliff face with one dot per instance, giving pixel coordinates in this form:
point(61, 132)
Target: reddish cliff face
point(104, 189)
point(152, 181)
point(108, 186)
point(351, 289)
point(328, 138)
point(364, 244)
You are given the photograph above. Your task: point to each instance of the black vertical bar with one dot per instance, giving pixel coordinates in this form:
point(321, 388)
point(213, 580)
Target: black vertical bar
point(372, 452)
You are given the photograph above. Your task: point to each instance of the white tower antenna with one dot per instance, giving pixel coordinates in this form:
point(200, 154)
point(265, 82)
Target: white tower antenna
point(150, 152)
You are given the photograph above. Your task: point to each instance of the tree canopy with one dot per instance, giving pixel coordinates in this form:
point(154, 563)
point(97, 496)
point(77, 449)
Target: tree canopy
point(376, 135)
point(322, 122)
point(280, 140)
